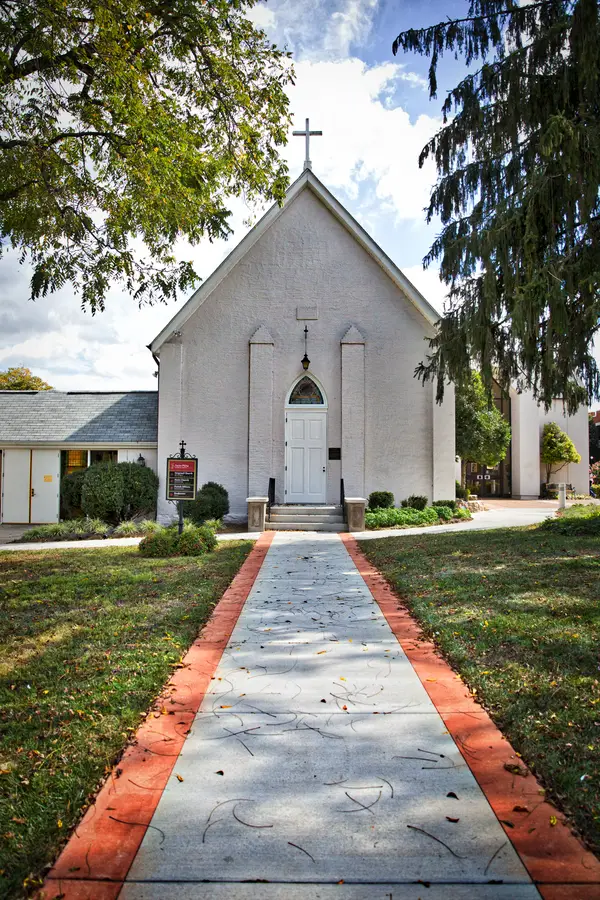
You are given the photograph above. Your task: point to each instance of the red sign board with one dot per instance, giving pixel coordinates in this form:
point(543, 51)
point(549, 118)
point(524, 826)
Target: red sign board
point(181, 478)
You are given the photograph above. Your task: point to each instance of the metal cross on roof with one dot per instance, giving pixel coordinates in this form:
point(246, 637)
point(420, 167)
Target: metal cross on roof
point(307, 133)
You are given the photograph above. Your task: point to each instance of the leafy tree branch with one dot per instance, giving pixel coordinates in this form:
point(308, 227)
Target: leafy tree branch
point(126, 125)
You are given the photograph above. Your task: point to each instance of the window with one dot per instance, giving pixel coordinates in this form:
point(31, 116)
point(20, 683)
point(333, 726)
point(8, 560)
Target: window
point(74, 460)
point(102, 456)
point(306, 392)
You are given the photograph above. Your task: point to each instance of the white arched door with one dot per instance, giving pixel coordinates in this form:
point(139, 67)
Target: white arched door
point(306, 443)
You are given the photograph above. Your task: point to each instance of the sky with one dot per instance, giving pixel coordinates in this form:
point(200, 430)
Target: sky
point(375, 114)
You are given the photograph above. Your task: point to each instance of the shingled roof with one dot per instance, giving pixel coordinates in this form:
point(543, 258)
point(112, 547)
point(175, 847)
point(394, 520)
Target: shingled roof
point(78, 417)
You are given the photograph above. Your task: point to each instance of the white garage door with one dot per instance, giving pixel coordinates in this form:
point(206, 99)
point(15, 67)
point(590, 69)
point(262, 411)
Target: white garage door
point(30, 486)
point(15, 485)
point(45, 484)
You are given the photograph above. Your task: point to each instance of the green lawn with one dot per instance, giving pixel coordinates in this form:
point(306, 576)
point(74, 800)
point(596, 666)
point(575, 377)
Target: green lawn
point(87, 639)
point(517, 613)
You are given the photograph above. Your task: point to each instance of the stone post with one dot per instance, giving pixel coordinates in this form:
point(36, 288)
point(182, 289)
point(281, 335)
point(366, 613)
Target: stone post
point(355, 513)
point(562, 495)
point(353, 412)
point(257, 513)
point(260, 412)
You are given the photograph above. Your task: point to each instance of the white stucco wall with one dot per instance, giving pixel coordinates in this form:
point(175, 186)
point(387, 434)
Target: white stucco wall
point(528, 420)
point(307, 258)
point(131, 455)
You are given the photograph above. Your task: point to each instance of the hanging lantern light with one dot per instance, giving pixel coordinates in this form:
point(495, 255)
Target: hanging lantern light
point(305, 359)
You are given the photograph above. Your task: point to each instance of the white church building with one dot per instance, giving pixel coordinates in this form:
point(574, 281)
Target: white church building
point(290, 375)
point(293, 364)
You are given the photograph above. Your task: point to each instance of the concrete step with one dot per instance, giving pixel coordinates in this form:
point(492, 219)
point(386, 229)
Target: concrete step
point(305, 526)
point(304, 517)
point(308, 510)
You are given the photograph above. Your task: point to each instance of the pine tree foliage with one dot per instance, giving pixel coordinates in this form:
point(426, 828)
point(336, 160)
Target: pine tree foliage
point(127, 124)
point(518, 160)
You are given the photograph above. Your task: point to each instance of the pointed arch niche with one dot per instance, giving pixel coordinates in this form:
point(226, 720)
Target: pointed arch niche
point(306, 442)
point(306, 391)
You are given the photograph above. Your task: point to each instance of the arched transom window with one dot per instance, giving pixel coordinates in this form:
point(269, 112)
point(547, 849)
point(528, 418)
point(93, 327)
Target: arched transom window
point(306, 393)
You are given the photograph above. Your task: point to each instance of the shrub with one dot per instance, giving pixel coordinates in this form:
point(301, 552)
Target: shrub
point(55, 531)
point(140, 487)
point(93, 526)
point(450, 503)
point(415, 501)
point(214, 524)
point(212, 502)
point(159, 544)
point(102, 492)
point(462, 514)
point(381, 500)
point(444, 513)
point(64, 531)
point(70, 491)
point(193, 541)
point(461, 492)
point(127, 529)
point(401, 518)
point(149, 526)
point(557, 449)
point(578, 520)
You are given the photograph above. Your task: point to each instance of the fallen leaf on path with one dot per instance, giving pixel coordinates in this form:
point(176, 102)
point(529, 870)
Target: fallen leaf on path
point(450, 819)
point(178, 777)
point(519, 808)
point(516, 769)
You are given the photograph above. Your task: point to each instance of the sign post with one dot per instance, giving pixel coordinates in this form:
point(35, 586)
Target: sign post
point(182, 476)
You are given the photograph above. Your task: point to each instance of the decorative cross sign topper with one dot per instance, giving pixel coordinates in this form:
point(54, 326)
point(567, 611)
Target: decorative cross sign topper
point(307, 133)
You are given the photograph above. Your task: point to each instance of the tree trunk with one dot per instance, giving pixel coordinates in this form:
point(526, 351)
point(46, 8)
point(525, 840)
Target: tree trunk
point(463, 473)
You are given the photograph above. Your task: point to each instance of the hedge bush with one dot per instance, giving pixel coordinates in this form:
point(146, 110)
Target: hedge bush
point(415, 501)
point(444, 513)
point(462, 514)
point(102, 492)
point(159, 544)
point(403, 518)
point(194, 540)
point(449, 503)
point(381, 500)
point(140, 488)
point(212, 502)
point(70, 491)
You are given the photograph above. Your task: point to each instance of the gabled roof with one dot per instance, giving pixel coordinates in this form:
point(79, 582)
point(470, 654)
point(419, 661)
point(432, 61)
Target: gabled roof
point(76, 417)
point(307, 181)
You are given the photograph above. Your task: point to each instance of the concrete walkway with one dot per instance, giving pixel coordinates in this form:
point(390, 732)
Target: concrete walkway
point(317, 765)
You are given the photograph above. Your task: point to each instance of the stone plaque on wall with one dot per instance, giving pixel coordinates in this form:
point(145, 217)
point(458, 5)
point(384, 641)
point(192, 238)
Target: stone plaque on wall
point(307, 312)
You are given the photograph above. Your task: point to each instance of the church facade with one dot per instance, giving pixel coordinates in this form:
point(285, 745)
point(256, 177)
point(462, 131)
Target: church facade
point(290, 375)
point(293, 365)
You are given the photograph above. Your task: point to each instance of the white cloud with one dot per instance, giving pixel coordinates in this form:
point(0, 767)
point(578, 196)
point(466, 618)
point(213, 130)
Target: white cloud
point(365, 139)
point(318, 29)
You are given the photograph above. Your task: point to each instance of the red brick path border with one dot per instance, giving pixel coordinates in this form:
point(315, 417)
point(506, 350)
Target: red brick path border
point(556, 859)
point(99, 854)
